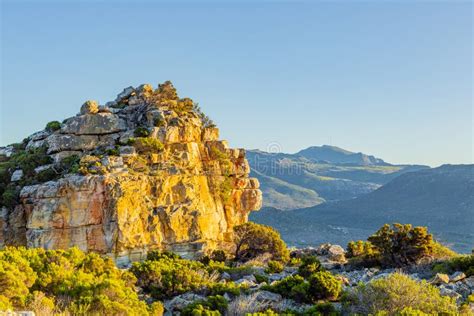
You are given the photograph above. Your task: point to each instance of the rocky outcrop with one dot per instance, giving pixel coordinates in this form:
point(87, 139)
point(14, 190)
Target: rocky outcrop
point(152, 174)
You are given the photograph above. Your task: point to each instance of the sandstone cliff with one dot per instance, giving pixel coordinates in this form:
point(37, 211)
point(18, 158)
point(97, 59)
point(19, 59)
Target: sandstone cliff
point(144, 171)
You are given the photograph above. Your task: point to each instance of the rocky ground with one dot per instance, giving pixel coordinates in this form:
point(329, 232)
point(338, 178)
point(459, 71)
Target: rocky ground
point(332, 257)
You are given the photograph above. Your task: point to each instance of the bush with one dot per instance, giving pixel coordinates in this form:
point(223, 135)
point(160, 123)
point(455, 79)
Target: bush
point(212, 305)
point(141, 132)
point(323, 285)
point(146, 144)
point(252, 240)
point(293, 287)
point(396, 246)
point(390, 295)
point(309, 265)
point(274, 267)
point(53, 126)
point(322, 309)
point(218, 255)
point(463, 263)
point(72, 280)
point(164, 276)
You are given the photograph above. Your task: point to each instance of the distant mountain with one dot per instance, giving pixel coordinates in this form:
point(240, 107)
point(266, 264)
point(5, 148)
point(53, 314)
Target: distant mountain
point(336, 155)
point(441, 198)
point(291, 181)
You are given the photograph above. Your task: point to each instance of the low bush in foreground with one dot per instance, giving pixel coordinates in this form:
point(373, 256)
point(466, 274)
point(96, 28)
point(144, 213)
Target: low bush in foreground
point(397, 294)
point(66, 282)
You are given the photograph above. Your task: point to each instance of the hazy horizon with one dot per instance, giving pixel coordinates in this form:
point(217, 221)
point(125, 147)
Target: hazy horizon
point(386, 79)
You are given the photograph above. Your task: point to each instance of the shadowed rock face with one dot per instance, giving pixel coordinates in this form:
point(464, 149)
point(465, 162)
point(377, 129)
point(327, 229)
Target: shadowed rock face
point(186, 197)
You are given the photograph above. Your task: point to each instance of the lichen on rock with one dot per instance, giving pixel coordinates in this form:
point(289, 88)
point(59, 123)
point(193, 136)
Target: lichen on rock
point(176, 187)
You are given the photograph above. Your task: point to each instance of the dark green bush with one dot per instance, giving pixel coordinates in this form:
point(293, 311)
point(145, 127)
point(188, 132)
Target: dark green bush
point(211, 306)
point(141, 132)
point(53, 126)
point(47, 175)
point(463, 263)
point(322, 309)
point(293, 287)
point(309, 265)
point(10, 196)
point(146, 144)
point(396, 246)
point(252, 240)
point(324, 285)
point(218, 255)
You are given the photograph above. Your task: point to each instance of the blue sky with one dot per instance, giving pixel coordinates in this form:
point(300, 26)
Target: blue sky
point(393, 79)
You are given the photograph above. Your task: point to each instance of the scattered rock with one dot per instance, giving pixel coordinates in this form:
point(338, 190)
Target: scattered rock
point(267, 296)
point(126, 93)
point(90, 107)
point(440, 278)
point(17, 175)
point(457, 276)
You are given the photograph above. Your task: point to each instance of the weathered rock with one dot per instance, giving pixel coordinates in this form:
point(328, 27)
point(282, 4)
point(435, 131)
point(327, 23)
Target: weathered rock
point(169, 198)
point(457, 276)
point(440, 278)
point(17, 175)
point(90, 107)
point(101, 123)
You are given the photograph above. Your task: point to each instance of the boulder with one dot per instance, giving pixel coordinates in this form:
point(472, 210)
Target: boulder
point(98, 124)
point(126, 93)
point(90, 107)
point(16, 175)
point(457, 276)
point(440, 278)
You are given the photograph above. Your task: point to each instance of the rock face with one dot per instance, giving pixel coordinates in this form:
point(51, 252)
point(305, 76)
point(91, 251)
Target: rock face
point(153, 174)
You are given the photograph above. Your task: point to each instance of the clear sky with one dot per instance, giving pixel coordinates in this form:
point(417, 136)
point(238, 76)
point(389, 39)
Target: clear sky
point(392, 79)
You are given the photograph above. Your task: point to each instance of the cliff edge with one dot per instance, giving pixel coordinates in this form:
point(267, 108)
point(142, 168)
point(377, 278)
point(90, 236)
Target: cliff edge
point(142, 172)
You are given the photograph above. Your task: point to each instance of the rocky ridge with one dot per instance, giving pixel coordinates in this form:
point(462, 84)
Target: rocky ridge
point(146, 171)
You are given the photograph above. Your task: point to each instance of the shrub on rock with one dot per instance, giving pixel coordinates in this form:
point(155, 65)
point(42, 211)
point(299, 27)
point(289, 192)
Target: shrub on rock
point(324, 285)
point(53, 126)
point(252, 240)
point(309, 265)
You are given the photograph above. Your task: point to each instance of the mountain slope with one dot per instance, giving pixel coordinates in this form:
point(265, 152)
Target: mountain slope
point(336, 155)
point(329, 181)
point(284, 195)
point(440, 198)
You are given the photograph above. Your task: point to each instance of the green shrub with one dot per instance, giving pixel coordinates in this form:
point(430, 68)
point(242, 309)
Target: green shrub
point(396, 246)
point(293, 287)
point(75, 282)
point(158, 122)
point(324, 285)
point(309, 265)
point(218, 288)
point(261, 278)
point(11, 196)
point(165, 276)
point(464, 263)
point(146, 144)
point(141, 132)
point(47, 175)
point(274, 267)
point(391, 295)
point(322, 309)
point(252, 240)
point(218, 255)
point(211, 306)
point(53, 126)
point(70, 164)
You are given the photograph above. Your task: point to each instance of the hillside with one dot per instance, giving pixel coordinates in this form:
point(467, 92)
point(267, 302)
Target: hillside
point(336, 155)
point(302, 174)
point(440, 198)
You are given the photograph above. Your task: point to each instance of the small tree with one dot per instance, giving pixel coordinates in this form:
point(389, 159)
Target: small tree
point(402, 244)
point(252, 240)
